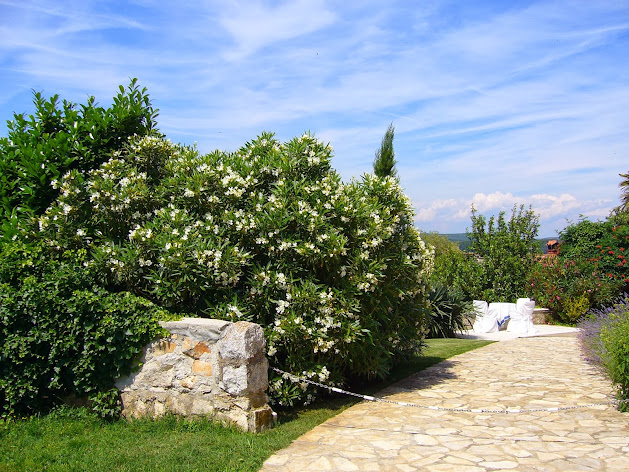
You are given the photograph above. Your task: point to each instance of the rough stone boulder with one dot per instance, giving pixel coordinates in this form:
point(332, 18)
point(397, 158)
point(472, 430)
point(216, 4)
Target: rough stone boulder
point(203, 368)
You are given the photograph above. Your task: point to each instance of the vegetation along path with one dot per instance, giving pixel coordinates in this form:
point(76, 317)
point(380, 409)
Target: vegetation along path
point(534, 375)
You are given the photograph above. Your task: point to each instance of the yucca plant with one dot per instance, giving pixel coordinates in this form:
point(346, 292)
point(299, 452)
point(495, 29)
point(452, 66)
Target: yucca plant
point(448, 312)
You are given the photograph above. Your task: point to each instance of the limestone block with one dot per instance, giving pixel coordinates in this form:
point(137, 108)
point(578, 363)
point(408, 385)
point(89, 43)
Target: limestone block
point(197, 329)
point(183, 367)
point(235, 380)
point(182, 404)
point(153, 375)
point(198, 350)
point(241, 341)
point(245, 379)
point(189, 382)
point(202, 406)
point(202, 368)
point(261, 419)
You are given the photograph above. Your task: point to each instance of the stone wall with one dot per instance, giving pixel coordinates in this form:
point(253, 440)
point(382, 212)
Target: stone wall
point(204, 368)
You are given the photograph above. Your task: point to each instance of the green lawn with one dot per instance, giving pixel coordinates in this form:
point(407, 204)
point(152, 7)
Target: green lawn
point(75, 440)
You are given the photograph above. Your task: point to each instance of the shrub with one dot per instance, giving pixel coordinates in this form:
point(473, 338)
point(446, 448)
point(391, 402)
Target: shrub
point(604, 338)
point(59, 334)
point(590, 271)
point(504, 252)
point(570, 288)
point(336, 273)
point(447, 258)
point(57, 138)
point(603, 243)
point(448, 312)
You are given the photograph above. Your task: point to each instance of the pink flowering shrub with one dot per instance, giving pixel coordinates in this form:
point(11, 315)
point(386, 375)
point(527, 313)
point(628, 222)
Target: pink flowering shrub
point(570, 288)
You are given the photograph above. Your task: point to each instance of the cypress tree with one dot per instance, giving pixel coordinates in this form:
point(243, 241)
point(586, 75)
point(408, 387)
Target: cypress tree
point(384, 163)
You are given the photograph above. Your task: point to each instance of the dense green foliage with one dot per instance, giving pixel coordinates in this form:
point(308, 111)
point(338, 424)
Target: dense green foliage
point(590, 271)
point(604, 243)
point(384, 163)
point(502, 253)
point(449, 308)
point(68, 440)
point(334, 272)
point(61, 335)
point(604, 336)
point(504, 250)
point(450, 263)
point(568, 288)
point(59, 137)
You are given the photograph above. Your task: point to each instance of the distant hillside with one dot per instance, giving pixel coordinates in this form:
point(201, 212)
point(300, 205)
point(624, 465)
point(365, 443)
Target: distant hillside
point(463, 242)
point(460, 239)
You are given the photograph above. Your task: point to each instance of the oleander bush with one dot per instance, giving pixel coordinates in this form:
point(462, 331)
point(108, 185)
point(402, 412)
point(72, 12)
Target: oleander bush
point(335, 272)
point(604, 338)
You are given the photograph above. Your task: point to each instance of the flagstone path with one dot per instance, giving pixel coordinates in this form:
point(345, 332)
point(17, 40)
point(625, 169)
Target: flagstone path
point(534, 373)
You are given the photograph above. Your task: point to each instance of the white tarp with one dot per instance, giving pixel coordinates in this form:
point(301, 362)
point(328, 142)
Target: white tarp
point(517, 317)
point(483, 322)
point(522, 320)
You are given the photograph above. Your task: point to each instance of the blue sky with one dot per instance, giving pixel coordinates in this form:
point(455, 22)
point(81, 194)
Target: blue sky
point(494, 103)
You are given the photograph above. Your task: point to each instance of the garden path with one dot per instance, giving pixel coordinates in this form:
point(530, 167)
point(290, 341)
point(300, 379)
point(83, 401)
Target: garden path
point(524, 373)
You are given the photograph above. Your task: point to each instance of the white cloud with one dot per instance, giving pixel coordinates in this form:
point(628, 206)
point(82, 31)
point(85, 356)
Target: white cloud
point(553, 210)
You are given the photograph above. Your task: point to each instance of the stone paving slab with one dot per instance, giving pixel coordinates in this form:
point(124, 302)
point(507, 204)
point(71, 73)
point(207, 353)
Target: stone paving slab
point(522, 373)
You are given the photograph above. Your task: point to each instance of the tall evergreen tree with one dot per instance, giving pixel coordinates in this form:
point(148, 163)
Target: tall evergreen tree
point(384, 163)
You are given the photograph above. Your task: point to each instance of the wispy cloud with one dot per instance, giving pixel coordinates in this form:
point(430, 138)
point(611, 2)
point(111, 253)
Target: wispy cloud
point(255, 25)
